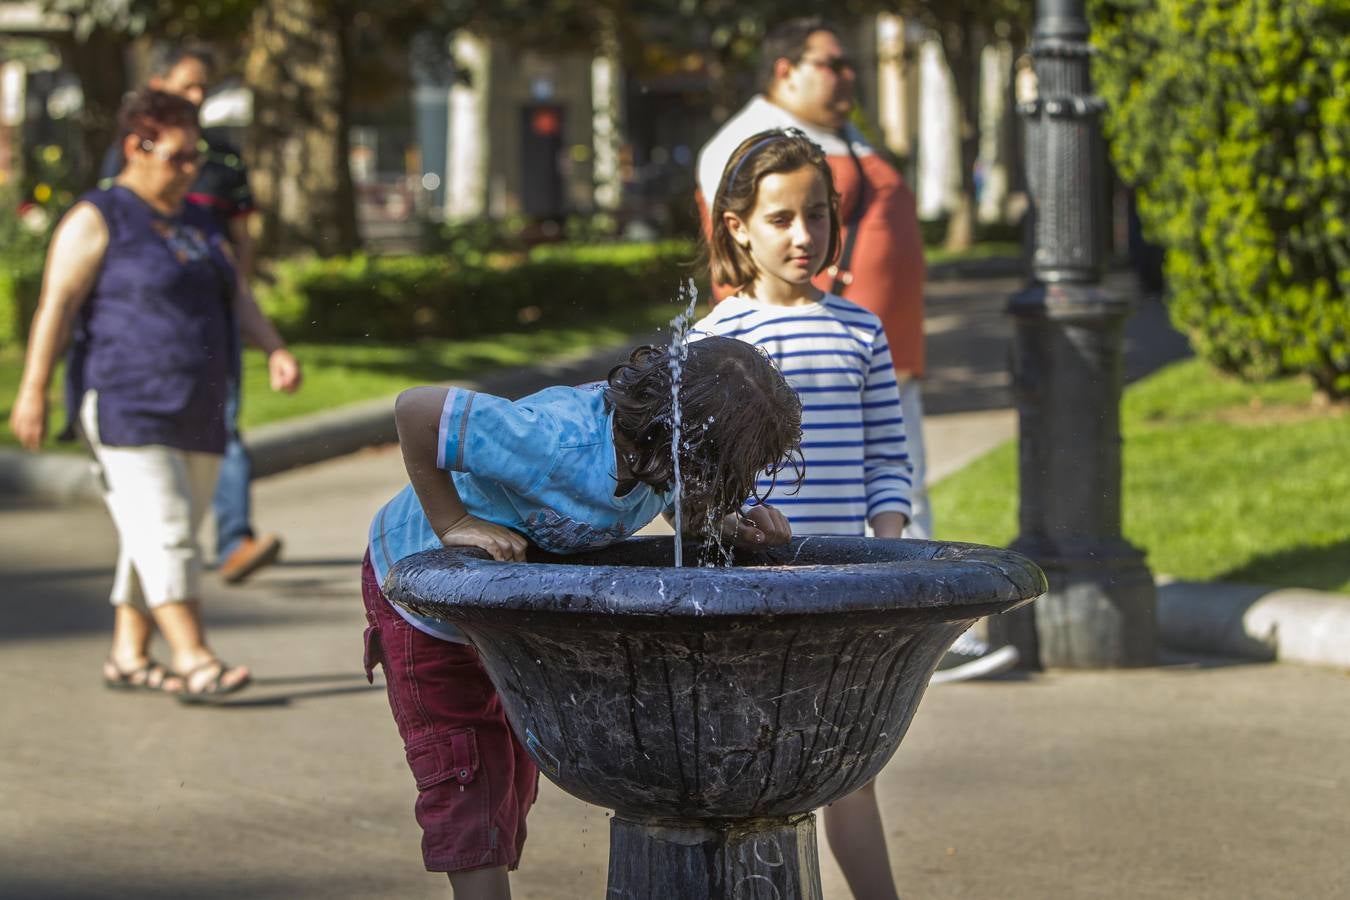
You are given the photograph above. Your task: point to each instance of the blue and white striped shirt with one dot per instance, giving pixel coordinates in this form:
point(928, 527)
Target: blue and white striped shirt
point(834, 354)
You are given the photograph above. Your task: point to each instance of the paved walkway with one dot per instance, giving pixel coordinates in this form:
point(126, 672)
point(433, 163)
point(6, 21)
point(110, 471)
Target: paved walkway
point(1198, 778)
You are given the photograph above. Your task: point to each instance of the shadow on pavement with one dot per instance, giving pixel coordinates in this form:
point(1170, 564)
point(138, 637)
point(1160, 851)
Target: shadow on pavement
point(63, 604)
point(250, 699)
point(151, 887)
point(287, 562)
point(1325, 568)
point(1176, 660)
point(320, 678)
point(1150, 341)
point(969, 343)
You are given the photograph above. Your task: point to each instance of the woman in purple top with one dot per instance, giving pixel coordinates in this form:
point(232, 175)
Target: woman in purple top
point(142, 287)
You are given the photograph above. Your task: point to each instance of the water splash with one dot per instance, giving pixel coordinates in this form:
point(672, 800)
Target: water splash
point(679, 354)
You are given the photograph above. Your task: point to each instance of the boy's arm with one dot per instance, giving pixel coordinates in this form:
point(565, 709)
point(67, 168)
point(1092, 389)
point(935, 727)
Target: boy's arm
point(417, 415)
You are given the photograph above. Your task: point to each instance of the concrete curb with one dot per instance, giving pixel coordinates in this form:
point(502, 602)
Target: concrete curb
point(52, 478)
point(1255, 622)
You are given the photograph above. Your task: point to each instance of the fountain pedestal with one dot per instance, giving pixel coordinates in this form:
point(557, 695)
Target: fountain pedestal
point(714, 709)
point(740, 858)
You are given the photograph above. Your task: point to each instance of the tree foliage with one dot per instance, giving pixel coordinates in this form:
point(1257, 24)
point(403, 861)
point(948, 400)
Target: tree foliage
point(1231, 118)
point(368, 46)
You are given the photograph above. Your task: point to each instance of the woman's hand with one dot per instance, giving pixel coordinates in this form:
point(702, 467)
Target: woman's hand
point(28, 419)
point(761, 526)
point(504, 544)
point(284, 371)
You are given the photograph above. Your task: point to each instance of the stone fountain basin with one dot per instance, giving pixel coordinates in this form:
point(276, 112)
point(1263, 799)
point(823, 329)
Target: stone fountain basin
point(764, 689)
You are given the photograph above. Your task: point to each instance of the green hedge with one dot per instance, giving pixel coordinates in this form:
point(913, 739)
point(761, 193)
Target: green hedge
point(1232, 118)
point(20, 282)
point(406, 297)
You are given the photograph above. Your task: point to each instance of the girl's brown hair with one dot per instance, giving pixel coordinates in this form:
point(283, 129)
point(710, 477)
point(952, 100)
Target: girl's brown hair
point(739, 418)
point(767, 153)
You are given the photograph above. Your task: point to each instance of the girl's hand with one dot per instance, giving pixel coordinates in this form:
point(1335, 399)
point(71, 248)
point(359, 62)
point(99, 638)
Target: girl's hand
point(761, 526)
point(28, 419)
point(504, 544)
point(889, 524)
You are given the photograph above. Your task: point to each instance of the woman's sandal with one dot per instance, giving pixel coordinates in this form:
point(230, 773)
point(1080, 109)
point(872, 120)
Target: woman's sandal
point(213, 687)
point(150, 677)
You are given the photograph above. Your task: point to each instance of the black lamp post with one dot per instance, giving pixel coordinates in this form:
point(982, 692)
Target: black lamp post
point(1067, 376)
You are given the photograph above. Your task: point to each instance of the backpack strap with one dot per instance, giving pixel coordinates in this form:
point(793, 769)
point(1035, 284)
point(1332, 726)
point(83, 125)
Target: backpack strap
point(839, 271)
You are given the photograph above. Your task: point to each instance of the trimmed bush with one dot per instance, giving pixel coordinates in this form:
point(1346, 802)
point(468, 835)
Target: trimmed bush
point(1232, 119)
point(390, 298)
point(20, 282)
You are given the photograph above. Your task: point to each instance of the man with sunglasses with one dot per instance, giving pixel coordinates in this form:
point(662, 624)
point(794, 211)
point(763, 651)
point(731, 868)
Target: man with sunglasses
point(808, 78)
point(222, 188)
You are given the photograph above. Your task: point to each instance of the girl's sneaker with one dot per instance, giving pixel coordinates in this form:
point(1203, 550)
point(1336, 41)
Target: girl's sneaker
point(971, 658)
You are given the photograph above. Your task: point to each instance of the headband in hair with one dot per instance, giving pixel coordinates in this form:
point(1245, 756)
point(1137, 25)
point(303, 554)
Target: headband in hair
point(780, 134)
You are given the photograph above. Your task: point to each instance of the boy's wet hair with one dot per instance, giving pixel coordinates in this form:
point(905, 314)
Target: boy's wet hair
point(771, 152)
point(739, 418)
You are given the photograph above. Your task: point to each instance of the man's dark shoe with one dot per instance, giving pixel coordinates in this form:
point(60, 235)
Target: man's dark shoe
point(248, 556)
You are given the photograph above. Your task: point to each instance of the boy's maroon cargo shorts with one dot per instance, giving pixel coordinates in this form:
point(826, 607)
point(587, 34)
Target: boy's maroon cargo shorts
point(475, 782)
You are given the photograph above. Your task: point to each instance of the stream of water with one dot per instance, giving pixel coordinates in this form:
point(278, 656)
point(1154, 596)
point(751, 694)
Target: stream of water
point(679, 354)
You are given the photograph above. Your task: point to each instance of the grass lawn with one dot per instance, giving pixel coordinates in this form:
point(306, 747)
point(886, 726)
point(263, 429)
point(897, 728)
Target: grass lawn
point(338, 374)
point(936, 255)
point(1222, 480)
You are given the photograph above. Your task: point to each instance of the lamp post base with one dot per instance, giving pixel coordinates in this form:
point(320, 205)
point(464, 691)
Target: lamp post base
point(1100, 612)
point(751, 859)
point(1067, 377)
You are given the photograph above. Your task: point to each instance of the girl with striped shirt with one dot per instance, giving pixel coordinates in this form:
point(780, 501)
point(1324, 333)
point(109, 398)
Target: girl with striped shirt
point(775, 226)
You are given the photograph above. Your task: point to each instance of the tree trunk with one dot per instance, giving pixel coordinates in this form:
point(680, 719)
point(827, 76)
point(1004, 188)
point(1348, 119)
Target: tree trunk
point(298, 70)
point(98, 62)
point(607, 115)
point(961, 46)
point(466, 189)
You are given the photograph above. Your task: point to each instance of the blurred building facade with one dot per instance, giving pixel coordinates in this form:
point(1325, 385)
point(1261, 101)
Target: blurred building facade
point(552, 137)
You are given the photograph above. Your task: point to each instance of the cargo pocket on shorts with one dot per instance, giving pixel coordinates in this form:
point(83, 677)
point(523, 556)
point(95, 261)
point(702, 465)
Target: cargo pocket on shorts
point(445, 766)
point(374, 651)
point(445, 755)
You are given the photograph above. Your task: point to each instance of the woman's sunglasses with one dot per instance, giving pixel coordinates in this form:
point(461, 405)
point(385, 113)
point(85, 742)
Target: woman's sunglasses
point(188, 156)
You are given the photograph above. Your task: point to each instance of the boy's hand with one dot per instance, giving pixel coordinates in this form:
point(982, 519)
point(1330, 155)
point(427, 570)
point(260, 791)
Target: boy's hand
point(504, 544)
point(761, 526)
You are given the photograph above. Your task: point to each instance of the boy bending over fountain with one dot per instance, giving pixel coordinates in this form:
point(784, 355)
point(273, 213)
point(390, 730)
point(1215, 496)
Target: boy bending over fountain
point(567, 469)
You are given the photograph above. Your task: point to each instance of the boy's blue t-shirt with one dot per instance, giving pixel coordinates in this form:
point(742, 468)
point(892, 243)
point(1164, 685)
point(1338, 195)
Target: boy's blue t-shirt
point(543, 465)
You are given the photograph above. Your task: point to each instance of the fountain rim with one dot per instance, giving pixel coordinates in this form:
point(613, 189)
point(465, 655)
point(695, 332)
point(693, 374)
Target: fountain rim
point(948, 579)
